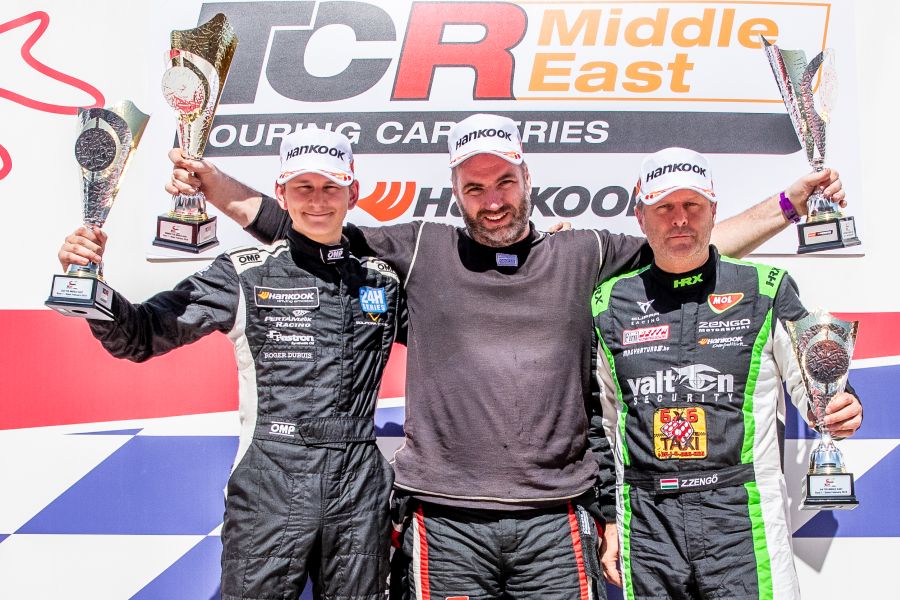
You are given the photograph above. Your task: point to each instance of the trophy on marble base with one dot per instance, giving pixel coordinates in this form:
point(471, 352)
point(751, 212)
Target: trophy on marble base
point(823, 346)
point(198, 65)
point(108, 137)
point(826, 227)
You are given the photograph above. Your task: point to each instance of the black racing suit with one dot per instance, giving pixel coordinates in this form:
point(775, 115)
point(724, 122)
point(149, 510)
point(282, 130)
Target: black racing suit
point(499, 385)
point(312, 328)
point(693, 372)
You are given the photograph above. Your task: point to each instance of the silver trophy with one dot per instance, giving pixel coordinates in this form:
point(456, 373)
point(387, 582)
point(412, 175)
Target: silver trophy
point(826, 227)
point(198, 65)
point(823, 345)
point(106, 142)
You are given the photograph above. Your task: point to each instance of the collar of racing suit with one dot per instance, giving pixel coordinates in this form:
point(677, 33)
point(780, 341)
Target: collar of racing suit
point(303, 249)
point(690, 282)
point(481, 258)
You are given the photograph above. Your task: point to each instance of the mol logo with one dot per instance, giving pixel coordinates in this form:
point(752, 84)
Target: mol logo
point(719, 303)
point(282, 429)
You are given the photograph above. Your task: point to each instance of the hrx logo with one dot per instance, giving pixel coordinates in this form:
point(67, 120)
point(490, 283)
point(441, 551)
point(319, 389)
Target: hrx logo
point(688, 281)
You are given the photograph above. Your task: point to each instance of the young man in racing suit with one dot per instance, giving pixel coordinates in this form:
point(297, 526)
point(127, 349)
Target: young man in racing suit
point(312, 326)
point(499, 385)
point(694, 355)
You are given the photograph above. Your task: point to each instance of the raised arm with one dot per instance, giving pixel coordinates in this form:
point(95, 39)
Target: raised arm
point(202, 303)
point(743, 233)
point(236, 200)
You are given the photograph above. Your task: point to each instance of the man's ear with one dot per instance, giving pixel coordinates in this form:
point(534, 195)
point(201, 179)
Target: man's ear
point(354, 195)
point(639, 214)
point(279, 196)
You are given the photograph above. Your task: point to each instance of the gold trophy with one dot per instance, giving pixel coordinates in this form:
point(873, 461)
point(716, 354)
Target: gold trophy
point(826, 227)
point(199, 62)
point(108, 137)
point(823, 346)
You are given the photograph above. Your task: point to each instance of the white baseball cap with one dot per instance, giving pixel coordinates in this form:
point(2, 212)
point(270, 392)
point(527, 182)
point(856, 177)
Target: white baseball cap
point(485, 134)
point(674, 169)
point(316, 151)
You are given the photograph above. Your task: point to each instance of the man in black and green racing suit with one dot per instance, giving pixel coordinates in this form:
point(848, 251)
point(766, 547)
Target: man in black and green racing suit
point(694, 353)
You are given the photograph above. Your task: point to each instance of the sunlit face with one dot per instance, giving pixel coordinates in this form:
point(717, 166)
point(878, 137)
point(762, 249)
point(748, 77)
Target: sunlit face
point(494, 197)
point(317, 205)
point(678, 227)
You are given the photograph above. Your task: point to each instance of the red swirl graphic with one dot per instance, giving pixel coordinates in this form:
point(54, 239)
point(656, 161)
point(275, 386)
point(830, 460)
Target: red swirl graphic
point(43, 20)
point(5, 162)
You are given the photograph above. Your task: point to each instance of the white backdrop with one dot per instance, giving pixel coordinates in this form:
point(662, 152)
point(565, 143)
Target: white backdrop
point(721, 99)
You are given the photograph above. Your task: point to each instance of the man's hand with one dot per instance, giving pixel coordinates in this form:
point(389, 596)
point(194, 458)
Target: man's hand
point(843, 415)
point(237, 201)
point(188, 174)
point(609, 554)
point(84, 246)
point(561, 226)
point(800, 190)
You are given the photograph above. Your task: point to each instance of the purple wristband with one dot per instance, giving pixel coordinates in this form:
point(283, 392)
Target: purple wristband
point(790, 213)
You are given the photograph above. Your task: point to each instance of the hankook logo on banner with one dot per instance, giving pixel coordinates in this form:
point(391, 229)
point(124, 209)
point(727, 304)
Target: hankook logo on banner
point(661, 51)
point(391, 200)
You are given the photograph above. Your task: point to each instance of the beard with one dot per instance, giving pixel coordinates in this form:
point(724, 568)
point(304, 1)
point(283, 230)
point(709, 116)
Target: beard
point(503, 236)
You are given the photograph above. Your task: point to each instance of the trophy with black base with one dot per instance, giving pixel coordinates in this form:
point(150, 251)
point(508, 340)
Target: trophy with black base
point(108, 137)
point(826, 227)
point(823, 346)
point(199, 62)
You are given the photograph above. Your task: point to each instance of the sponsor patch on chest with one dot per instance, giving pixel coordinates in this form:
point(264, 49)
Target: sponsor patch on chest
point(680, 433)
point(507, 260)
point(719, 303)
point(267, 297)
point(288, 355)
point(645, 334)
point(373, 300)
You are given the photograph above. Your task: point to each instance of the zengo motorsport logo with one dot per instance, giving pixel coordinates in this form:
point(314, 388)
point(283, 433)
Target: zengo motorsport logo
point(576, 77)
